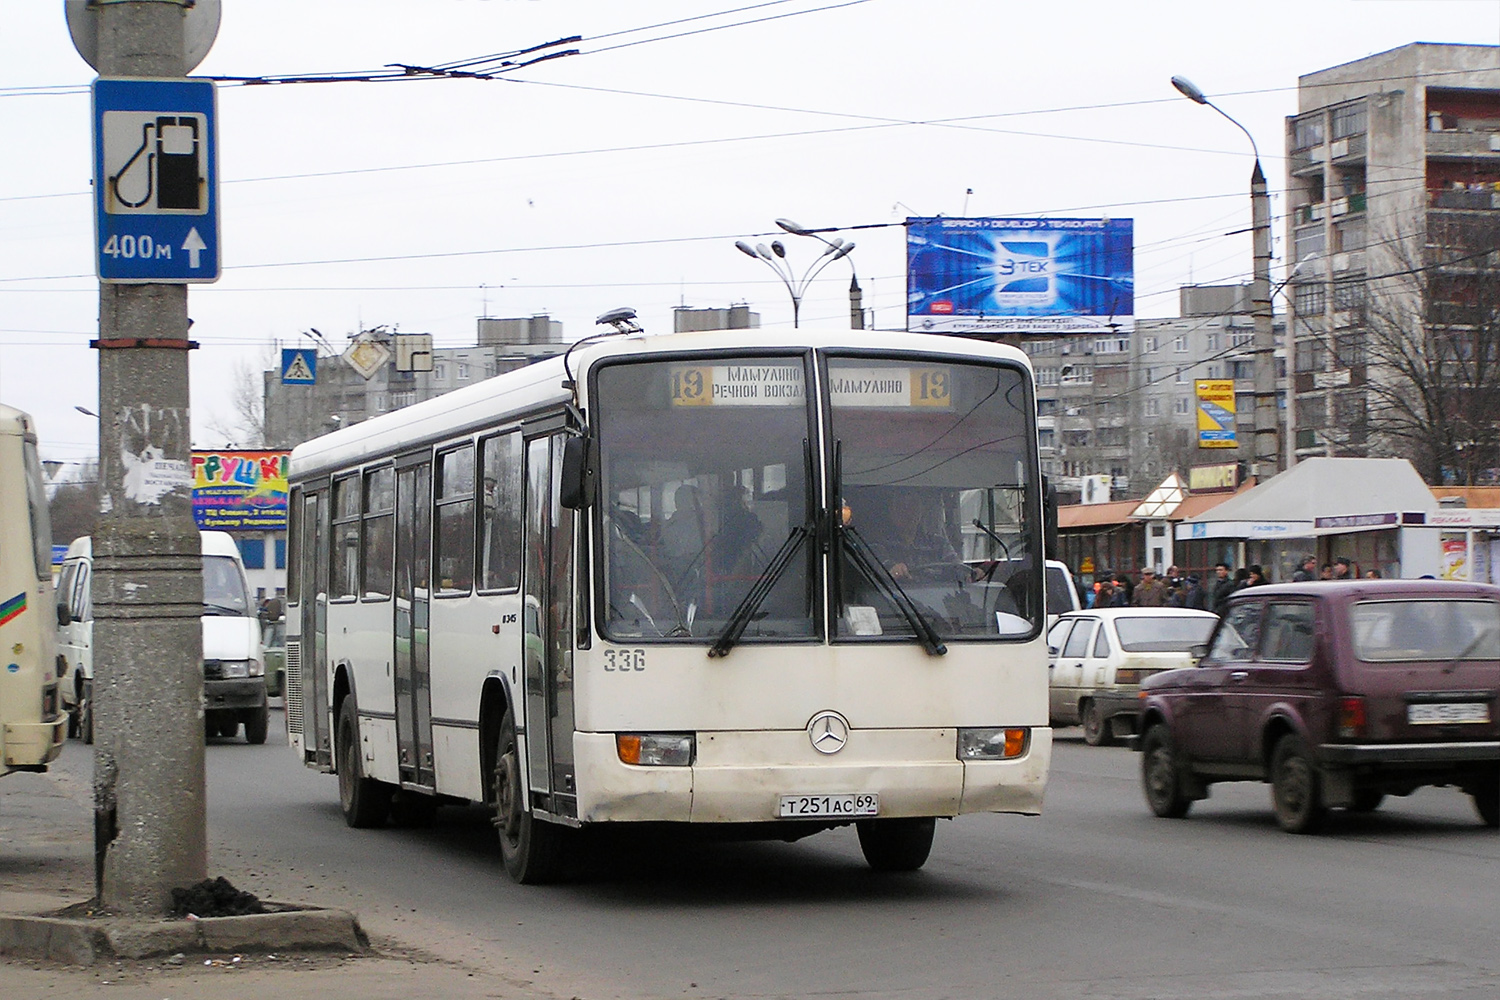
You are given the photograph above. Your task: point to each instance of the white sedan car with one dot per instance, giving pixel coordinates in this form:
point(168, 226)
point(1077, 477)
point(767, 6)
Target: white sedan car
point(1096, 660)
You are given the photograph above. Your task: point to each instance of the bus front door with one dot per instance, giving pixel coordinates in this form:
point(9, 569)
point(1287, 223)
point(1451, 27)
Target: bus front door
point(547, 632)
point(413, 592)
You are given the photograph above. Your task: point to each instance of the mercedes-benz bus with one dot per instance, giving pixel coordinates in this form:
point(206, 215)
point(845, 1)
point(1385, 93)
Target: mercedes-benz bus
point(764, 581)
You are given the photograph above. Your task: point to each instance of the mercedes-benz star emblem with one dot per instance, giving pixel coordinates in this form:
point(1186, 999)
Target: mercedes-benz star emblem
point(829, 731)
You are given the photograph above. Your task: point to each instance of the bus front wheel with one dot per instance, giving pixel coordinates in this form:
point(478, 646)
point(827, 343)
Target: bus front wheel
point(366, 802)
point(531, 848)
point(896, 845)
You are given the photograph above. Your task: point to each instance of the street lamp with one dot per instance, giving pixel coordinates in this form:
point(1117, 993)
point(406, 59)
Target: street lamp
point(774, 257)
point(856, 294)
point(1265, 449)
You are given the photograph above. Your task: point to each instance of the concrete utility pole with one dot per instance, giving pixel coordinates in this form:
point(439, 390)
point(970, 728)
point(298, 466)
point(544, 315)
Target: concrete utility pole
point(1266, 452)
point(150, 831)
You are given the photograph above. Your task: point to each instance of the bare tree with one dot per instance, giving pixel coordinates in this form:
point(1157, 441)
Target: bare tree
point(73, 509)
point(245, 424)
point(1432, 348)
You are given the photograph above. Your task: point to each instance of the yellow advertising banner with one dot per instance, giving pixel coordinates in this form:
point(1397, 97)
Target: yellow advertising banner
point(1215, 412)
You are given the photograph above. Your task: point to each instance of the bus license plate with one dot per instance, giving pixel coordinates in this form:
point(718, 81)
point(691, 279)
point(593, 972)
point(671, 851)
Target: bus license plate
point(1444, 713)
point(824, 806)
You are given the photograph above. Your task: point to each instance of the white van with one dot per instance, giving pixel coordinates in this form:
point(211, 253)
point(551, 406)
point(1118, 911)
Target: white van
point(234, 688)
point(1062, 593)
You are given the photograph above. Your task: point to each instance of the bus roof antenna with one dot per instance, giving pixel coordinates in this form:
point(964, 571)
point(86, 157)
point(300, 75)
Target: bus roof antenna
point(622, 319)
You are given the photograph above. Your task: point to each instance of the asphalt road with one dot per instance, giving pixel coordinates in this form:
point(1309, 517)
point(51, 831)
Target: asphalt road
point(1095, 899)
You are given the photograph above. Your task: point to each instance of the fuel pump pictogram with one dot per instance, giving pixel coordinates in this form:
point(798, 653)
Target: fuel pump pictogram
point(154, 163)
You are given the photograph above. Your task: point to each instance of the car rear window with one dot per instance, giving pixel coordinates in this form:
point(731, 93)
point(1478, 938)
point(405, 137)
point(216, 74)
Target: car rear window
point(1060, 593)
point(1440, 629)
point(1160, 634)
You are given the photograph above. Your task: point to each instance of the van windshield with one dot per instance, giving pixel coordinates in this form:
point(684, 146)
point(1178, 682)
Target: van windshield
point(224, 587)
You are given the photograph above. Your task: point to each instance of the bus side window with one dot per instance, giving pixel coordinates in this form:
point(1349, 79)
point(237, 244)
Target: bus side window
point(454, 524)
point(499, 542)
point(344, 583)
point(293, 546)
point(379, 534)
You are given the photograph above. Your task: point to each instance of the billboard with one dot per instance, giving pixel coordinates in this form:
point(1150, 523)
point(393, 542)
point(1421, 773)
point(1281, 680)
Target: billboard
point(240, 490)
point(1215, 398)
point(1020, 275)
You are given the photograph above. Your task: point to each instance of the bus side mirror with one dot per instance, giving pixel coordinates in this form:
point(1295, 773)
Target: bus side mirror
point(63, 618)
point(1050, 547)
point(576, 485)
point(1198, 651)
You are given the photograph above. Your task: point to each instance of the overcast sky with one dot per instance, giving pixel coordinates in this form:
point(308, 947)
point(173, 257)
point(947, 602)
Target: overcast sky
point(623, 175)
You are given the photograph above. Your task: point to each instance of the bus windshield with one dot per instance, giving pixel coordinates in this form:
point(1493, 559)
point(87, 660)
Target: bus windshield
point(704, 470)
point(941, 523)
point(36, 502)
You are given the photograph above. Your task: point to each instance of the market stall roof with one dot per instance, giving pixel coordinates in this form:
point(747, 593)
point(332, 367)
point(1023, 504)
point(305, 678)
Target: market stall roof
point(1320, 496)
point(1120, 512)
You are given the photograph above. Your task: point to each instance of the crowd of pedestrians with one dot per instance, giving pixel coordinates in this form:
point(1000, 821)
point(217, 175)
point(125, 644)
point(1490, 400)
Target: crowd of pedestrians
point(1178, 590)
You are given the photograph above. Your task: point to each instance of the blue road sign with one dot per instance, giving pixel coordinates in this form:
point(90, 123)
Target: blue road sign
point(156, 196)
point(299, 366)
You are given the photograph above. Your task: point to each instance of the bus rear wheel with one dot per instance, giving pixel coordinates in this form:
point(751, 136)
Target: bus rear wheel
point(896, 845)
point(365, 801)
point(531, 848)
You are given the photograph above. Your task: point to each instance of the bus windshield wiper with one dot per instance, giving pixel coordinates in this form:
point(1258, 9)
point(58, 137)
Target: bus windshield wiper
point(859, 551)
point(223, 609)
point(735, 627)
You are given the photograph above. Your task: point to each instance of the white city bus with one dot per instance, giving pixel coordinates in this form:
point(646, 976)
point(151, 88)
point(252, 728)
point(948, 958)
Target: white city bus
point(33, 726)
point(774, 580)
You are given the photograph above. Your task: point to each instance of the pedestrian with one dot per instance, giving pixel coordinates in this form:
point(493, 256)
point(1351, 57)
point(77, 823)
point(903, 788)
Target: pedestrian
point(1308, 571)
point(1150, 592)
point(1255, 576)
point(1372, 574)
point(1104, 593)
point(1125, 585)
point(1326, 573)
point(1220, 589)
point(1174, 576)
point(1193, 594)
point(1341, 568)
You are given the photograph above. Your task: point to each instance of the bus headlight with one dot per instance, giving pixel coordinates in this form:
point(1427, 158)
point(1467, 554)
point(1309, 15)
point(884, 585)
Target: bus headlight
point(655, 749)
point(992, 744)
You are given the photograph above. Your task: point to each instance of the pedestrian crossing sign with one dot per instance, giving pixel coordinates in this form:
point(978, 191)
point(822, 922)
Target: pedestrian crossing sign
point(299, 366)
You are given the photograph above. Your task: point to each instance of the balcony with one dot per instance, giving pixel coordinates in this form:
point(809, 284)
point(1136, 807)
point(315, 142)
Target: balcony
point(1481, 200)
point(1350, 149)
point(1352, 205)
point(1304, 161)
point(1463, 144)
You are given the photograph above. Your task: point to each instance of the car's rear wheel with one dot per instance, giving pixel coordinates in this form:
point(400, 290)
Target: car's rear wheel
point(1160, 777)
point(257, 724)
point(896, 845)
point(1296, 787)
point(1487, 801)
point(1095, 727)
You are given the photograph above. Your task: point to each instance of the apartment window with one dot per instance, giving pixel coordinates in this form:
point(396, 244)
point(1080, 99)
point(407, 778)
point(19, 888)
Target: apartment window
point(1179, 344)
point(404, 398)
point(1150, 439)
point(1309, 240)
point(1180, 406)
point(1309, 299)
point(1242, 369)
point(1348, 119)
point(1211, 340)
point(1182, 376)
point(253, 552)
point(1351, 235)
point(1079, 375)
point(1150, 374)
point(1112, 437)
point(1311, 355)
point(1215, 371)
point(440, 372)
point(1112, 345)
point(1152, 406)
point(1308, 132)
point(1348, 409)
point(1348, 295)
point(1149, 345)
point(1311, 411)
point(1046, 407)
point(1351, 348)
point(1241, 339)
point(1046, 437)
point(1076, 439)
point(1039, 348)
point(1046, 376)
point(463, 372)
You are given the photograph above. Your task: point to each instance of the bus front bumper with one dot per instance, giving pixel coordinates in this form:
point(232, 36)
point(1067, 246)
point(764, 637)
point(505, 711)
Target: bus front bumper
point(740, 777)
point(34, 743)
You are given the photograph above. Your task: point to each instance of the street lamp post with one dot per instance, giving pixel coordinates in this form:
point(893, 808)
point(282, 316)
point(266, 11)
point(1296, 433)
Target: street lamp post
point(1265, 453)
point(856, 294)
point(774, 257)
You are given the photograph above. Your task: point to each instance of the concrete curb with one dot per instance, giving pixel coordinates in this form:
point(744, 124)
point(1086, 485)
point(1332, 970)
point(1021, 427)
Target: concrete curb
point(77, 941)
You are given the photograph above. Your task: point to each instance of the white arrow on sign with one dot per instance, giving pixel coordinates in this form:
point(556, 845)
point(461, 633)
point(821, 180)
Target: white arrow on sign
point(194, 245)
